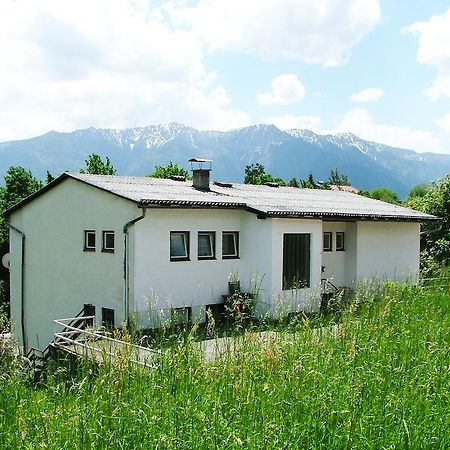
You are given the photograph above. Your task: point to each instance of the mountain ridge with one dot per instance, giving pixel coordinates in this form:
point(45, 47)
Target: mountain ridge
point(286, 154)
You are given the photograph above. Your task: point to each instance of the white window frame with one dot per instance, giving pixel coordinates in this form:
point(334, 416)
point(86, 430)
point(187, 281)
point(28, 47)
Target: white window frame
point(328, 248)
point(211, 235)
point(185, 235)
point(235, 235)
point(104, 247)
point(89, 248)
point(340, 248)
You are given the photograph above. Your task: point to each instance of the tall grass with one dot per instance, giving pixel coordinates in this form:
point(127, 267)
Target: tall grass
point(380, 379)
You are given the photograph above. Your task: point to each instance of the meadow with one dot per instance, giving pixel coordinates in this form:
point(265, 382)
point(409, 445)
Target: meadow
point(380, 380)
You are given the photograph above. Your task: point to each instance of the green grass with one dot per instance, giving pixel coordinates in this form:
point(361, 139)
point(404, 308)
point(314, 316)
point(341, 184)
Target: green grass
point(382, 382)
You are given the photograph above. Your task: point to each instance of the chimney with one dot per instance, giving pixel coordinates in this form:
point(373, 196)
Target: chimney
point(200, 173)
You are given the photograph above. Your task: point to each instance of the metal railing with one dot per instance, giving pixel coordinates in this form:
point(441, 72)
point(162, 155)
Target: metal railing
point(95, 345)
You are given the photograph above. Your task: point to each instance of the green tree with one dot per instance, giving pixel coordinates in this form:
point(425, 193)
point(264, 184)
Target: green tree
point(256, 174)
point(95, 165)
point(436, 201)
point(419, 190)
point(309, 183)
point(293, 183)
point(49, 177)
point(385, 195)
point(169, 171)
point(19, 184)
point(338, 179)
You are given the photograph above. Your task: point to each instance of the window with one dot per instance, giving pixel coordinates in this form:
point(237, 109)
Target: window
point(179, 245)
point(108, 241)
point(206, 245)
point(230, 244)
point(296, 261)
point(327, 241)
point(181, 316)
point(89, 240)
point(340, 241)
point(108, 318)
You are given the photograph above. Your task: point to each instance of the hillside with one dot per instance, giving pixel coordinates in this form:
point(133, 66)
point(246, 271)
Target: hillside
point(286, 154)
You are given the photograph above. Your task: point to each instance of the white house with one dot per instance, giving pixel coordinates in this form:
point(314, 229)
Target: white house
point(145, 248)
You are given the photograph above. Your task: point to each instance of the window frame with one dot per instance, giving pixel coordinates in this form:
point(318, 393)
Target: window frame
point(104, 248)
point(330, 247)
point(341, 248)
point(185, 257)
point(212, 242)
point(286, 284)
point(235, 235)
point(86, 247)
point(175, 315)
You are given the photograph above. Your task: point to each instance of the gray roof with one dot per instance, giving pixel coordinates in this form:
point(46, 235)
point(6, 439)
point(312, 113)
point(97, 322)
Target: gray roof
point(263, 200)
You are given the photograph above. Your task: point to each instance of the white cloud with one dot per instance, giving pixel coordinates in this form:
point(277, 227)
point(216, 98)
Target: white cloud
point(287, 121)
point(360, 122)
point(367, 95)
point(444, 123)
point(322, 32)
point(76, 64)
point(286, 89)
point(434, 51)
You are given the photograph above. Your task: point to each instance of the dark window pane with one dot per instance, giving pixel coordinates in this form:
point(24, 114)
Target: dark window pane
point(230, 244)
point(108, 241)
point(327, 241)
point(296, 261)
point(108, 318)
point(178, 245)
point(206, 245)
point(340, 245)
point(91, 240)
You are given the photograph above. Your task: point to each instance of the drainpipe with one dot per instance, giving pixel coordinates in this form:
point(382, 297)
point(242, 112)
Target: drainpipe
point(22, 287)
point(126, 261)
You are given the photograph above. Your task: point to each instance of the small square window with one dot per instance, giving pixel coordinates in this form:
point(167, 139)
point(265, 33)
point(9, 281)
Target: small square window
point(327, 241)
point(206, 245)
point(179, 245)
point(340, 241)
point(230, 244)
point(181, 316)
point(89, 240)
point(108, 241)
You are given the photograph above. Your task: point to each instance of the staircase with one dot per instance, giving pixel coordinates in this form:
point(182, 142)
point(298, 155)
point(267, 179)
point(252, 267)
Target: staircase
point(38, 358)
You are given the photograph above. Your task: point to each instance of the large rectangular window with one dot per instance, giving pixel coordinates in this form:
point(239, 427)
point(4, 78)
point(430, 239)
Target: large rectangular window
point(296, 260)
point(206, 245)
point(179, 245)
point(230, 244)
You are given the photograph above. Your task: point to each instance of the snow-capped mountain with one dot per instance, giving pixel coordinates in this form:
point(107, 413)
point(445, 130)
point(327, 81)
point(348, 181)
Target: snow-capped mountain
point(286, 154)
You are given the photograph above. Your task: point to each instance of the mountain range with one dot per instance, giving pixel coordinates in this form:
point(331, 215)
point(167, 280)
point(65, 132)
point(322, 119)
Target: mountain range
point(285, 154)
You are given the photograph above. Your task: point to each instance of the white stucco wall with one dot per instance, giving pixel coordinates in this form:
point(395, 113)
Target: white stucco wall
point(59, 276)
point(161, 284)
point(388, 250)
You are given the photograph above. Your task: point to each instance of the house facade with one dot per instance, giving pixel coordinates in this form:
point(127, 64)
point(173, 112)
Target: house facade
point(149, 250)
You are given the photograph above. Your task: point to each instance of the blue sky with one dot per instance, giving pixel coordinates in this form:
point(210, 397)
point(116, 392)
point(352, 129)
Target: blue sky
point(379, 69)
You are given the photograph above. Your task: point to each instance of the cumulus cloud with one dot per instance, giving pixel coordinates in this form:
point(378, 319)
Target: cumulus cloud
point(434, 51)
point(360, 122)
point(322, 32)
point(367, 95)
point(75, 64)
point(285, 90)
point(287, 121)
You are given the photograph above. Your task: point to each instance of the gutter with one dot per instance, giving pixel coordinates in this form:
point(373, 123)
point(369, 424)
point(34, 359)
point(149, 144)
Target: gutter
point(433, 230)
point(22, 287)
point(126, 261)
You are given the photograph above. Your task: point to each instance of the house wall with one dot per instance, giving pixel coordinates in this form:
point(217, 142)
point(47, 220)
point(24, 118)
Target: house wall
point(286, 301)
point(161, 284)
point(335, 262)
point(59, 276)
point(388, 250)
